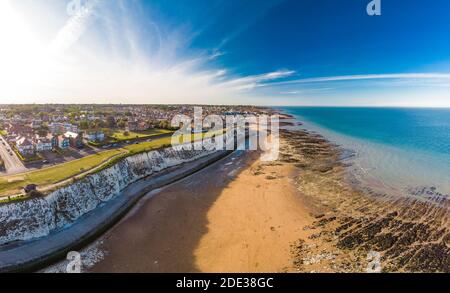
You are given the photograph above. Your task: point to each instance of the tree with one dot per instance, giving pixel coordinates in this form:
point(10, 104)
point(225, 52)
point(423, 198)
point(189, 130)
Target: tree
point(84, 125)
point(107, 132)
point(42, 132)
point(99, 124)
point(122, 123)
point(164, 124)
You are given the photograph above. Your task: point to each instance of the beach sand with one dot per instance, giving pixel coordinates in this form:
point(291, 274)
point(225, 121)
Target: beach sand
point(298, 214)
point(227, 218)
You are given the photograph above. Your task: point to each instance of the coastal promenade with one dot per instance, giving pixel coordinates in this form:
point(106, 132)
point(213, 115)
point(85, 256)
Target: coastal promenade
point(32, 255)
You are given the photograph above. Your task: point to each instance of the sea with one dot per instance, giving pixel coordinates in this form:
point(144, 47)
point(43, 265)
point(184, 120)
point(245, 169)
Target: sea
point(396, 150)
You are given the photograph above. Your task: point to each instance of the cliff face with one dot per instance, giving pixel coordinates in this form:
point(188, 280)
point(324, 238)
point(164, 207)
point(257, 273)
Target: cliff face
point(40, 216)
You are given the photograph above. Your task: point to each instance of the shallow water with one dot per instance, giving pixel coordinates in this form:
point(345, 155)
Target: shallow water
point(396, 149)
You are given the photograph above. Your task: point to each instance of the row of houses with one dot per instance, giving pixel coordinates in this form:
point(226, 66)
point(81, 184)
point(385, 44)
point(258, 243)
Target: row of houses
point(137, 126)
point(29, 146)
point(60, 128)
point(95, 136)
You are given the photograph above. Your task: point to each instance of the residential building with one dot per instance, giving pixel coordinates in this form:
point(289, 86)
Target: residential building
point(111, 121)
point(142, 126)
point(132, 126)
point(53, 139)
point(43, 144)
point(60, 128)
point(18, 129)
point(35, 124)
point(63, 142)
point(75, 140)
point(25, 146)
point(97, 136)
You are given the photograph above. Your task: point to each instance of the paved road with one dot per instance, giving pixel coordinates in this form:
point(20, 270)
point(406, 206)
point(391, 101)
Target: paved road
point(13, 164)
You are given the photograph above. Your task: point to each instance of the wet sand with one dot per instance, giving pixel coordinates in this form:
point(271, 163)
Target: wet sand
point(298, 214)
point(223, 219)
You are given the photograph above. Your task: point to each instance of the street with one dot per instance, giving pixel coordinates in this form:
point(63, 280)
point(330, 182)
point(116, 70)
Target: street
point(13, 164)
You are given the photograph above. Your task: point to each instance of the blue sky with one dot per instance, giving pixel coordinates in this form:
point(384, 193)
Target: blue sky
point(280, 52)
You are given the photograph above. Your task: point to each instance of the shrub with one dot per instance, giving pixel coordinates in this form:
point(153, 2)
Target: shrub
point(36, 194)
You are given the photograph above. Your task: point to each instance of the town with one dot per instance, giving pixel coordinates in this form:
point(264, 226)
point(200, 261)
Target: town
point(46, 144)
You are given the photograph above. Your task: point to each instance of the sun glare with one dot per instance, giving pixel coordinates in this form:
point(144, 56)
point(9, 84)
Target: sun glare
point(23, 59)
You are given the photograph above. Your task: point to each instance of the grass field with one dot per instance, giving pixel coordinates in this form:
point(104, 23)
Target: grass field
point(54, 174)
point(13, 183)
point(120, 135)
point(3, 132)
point(147, 146)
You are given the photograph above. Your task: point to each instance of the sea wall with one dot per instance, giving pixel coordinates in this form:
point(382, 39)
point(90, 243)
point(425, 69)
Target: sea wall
point(39, 217)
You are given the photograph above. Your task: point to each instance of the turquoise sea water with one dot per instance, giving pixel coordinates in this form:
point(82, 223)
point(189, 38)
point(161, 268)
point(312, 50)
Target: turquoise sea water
point(398, 148)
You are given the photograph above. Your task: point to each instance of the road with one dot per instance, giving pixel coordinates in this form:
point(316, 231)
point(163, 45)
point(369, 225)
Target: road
point(13, 164)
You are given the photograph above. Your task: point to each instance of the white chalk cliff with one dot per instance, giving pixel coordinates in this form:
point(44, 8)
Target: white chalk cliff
point(38, 217)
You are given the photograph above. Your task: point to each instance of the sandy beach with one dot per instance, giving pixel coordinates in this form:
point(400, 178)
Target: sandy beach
point(297, 214)
point(228, 218)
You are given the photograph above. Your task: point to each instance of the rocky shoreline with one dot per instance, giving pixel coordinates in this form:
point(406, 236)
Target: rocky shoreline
point(300, 213)
point(410, 234)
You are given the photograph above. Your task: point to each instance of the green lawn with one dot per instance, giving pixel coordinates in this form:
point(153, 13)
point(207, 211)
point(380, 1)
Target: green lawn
point(11, 184)
point(54, 174)
point(120, 135)
point(3, 132)
point(150, 145)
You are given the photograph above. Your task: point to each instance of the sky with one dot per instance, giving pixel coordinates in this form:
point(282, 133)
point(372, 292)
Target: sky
point(261, 52)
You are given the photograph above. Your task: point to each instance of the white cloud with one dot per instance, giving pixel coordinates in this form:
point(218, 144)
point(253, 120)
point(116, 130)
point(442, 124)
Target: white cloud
point(254, 81)
point(77, 67)
point(216, 54)
point(436, 76)
point(120, 65)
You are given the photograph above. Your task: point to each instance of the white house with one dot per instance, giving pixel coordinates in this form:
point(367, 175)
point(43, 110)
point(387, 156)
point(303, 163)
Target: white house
point(35, 124)
point(43, 144)
point(25, 146)
point(95, 136)
point(60, 128)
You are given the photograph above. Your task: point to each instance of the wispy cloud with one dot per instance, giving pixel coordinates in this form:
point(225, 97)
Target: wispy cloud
point(118, 67)
point(254, 81)
point(307, 91)
point(290, 93)
point(103, 55)
point(367, 77)
point(216, 54)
